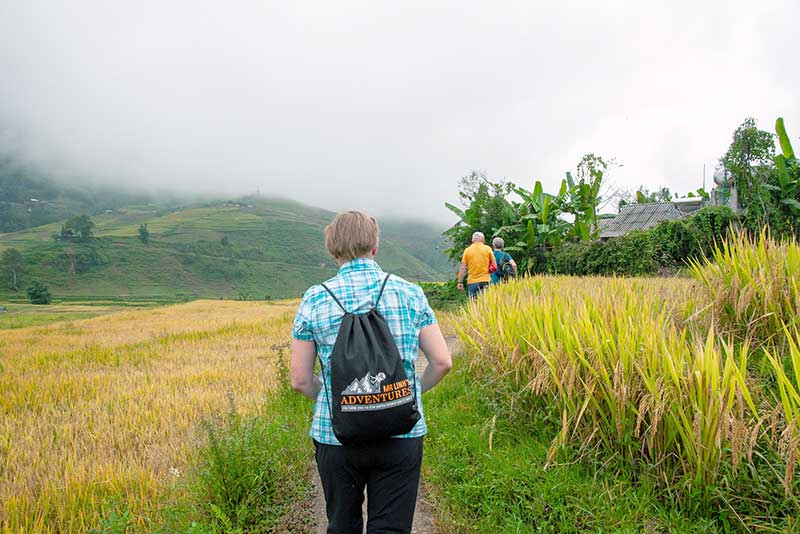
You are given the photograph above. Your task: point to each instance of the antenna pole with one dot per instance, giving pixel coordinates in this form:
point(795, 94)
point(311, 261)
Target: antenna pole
point(704, 176)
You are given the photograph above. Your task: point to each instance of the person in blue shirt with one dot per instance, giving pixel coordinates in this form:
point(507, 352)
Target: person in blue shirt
point(501, 257)
point(390, 468)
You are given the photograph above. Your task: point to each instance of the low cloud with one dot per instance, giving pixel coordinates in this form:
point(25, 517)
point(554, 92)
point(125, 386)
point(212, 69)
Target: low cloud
point(383, 106)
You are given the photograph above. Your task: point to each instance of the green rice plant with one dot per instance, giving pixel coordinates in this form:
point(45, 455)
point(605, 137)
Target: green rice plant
point(789, 408)
point(478, 487)
point(752, 286)
point(698, 411)
point(623, 361)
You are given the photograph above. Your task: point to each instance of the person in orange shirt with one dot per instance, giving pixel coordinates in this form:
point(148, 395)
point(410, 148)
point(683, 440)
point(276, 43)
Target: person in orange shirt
point(475, 263)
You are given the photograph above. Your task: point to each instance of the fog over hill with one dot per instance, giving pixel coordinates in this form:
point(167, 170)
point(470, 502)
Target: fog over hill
point(244, 247)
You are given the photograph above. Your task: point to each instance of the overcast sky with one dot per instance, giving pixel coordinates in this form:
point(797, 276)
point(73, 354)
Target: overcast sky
point(384, 105)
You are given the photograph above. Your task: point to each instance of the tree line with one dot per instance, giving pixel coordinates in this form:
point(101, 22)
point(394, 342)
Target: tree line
point(549, 231)
point(79, 255)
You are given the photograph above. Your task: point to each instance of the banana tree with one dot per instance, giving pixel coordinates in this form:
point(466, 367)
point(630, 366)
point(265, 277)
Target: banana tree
point(538, 224)
point(788, 172)
point(583, 196)
point(487, 209)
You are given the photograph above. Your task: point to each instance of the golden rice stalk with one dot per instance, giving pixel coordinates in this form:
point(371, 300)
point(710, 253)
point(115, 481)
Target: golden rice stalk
point(109, 407)
point(752, 286)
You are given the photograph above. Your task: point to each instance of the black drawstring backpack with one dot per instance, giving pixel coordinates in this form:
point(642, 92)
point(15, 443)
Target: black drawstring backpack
point(372, 398)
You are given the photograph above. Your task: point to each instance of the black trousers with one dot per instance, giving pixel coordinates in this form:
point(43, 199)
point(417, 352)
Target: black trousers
point(390, 471)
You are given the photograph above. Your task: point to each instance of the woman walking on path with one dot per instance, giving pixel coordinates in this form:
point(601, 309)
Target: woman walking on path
point(388, 467)
point(506, 266)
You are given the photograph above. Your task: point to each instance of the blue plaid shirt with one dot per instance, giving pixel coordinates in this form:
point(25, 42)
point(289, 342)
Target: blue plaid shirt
point(356, 285)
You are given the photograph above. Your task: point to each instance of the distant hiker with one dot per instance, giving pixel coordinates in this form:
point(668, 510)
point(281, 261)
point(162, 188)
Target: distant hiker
point(477, 263)
point(366, 328)
point(506, 266)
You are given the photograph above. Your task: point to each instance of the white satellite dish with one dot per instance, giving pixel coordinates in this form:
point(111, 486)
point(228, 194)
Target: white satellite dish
point(723, 178)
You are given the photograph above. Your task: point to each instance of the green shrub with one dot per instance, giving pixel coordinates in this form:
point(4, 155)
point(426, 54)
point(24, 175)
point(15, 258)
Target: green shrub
point(81, 258)
point(38, 293)
point(568, 259)
point(632, 254)
point(252, 474)
point(670, 244)
point(444, 295)
point(675, 242)
point(240, 475)
point(713, 226)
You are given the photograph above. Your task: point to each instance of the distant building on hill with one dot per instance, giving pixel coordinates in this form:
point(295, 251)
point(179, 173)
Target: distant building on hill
point(641, 217)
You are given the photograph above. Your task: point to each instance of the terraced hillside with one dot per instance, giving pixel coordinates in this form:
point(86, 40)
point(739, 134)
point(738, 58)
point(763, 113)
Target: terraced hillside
point(252, 248)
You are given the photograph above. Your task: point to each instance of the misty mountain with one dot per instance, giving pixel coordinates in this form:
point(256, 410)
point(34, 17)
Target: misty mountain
point(421, 239)
point(29, 198)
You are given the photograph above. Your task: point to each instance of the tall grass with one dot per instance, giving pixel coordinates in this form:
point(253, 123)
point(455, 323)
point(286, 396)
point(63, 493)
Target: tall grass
point(787, 426)
point(252, 474)
point(483, 465)
point(627, 371)
point(752, 286)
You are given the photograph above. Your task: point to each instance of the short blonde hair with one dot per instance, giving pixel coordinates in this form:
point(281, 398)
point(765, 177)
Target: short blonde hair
point(351, 234)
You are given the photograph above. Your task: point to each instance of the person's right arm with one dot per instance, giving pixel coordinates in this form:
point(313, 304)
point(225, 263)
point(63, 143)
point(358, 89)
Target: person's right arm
point(432, 343)
point(304, 351)
point(304, 355)
point(461, 272)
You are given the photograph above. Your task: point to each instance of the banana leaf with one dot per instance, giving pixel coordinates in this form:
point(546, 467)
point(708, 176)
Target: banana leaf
point(783, 139)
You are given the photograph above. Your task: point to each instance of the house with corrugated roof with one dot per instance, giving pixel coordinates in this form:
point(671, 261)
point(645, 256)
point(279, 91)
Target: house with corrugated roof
point(649, 214)
point(642, 216)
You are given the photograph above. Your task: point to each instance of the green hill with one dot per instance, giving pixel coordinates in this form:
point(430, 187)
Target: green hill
point(249, 248)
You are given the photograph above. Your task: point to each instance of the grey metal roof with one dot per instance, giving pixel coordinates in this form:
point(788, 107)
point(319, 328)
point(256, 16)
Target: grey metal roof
point(602, 223)
point(640, 217)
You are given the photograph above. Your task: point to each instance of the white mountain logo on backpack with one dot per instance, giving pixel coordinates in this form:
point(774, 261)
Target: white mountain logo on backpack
point(367, 385)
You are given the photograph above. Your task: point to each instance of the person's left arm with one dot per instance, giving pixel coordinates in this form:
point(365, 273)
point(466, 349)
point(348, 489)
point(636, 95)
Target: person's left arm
point(432, 344)
point(304, 356)
point(512, 262)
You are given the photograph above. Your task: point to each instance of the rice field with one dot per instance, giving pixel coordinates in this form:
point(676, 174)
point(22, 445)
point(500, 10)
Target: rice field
point(24, 315)
point(693, 378)
point(109, 407)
